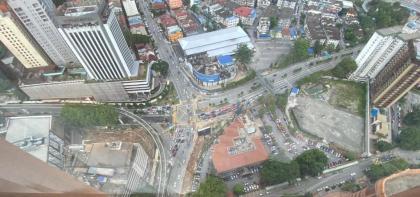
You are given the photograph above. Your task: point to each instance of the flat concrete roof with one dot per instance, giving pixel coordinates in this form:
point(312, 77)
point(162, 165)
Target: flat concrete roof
point(102, 155)
point(25, 127)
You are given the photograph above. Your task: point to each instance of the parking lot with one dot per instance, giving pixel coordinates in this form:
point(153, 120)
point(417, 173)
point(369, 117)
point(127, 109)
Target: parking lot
point(268, 52)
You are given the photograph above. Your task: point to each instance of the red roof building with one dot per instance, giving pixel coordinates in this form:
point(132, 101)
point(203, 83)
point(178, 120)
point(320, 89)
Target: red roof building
point(242, 11)
point(167, 21)
point(237, 149)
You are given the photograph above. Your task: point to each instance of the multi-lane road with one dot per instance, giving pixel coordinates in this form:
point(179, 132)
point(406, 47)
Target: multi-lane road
point(183, 86)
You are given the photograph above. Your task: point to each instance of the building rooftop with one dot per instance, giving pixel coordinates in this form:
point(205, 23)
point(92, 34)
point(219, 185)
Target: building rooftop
point(235, 149)
point(114, 154)
point(130, 8)
point(390, 30)
point(411, 4)
point(167, 20)
point(214, 41)
point(30, 133)
point(243, 11)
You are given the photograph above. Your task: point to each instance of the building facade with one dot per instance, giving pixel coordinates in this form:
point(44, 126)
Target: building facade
point(38, 18)
point(398, 76)
point(95, 36)
point(19, 43)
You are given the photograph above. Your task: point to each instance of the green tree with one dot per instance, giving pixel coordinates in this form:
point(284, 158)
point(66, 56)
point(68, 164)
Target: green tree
point(300, 49)
point(238, 189)
point(302, 19)
point(195, 8)
point(412, 118)
point(378, 171)
point(350, 37)
point(162, 67)
point(350, 187)
point(330, 48)
point(213, 187)
point(344, 68)
point(275, 172)
point(243, 54)
point(409, 138)
point(89, 115)
point(318, 47)
point(274, 20)
point(311, 162)
point(384, 146)
point(58, 2)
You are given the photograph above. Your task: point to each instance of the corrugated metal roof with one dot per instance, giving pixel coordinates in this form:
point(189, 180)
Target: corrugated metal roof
point(215, 40)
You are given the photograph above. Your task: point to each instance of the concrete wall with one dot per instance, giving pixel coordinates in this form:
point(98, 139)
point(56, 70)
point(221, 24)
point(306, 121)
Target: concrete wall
point(101, 91)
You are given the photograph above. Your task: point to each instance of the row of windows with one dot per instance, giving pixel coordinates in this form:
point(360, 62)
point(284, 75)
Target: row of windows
point(93, 48)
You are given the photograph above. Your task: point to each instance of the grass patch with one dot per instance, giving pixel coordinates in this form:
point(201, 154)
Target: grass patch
point(349, 95)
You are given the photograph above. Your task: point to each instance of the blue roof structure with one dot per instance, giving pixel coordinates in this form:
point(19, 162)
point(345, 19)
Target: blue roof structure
point(310, 51)
point(374, 112)
point(134, 20)
point(264, 36)
point(293, 32)
point(206, 78)
point(225, 60)
point(157, 1)
point(294, 91)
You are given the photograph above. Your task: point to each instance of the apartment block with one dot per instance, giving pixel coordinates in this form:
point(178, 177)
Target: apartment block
point(381, 47)
point(398, 76)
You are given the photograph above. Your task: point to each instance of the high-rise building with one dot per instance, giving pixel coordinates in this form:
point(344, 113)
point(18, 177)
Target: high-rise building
point(24, 175)
point(20, 44)
point(398, 76)
point(380, 48)
point(94, 35)
point(174, 4)
point(38, 18)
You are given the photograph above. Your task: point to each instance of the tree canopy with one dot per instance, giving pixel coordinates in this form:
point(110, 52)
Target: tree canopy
point(133, 39)
point(89, 115)
point(387, 14)
point(297, 54)
point(243, 54)
point(344, 68)
point(161, 66)
point(238, 189)
point(377, 171)
point(311, 162)
point(384, 146)
point(409, 138)
point(213, 187)
point(412, 118)
point(318, 47)
point(275, 172)
point(273, 22)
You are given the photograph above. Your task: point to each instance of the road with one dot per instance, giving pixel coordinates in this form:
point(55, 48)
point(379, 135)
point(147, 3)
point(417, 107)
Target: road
point(166, 53)
point(163, 161)
point(312, 184)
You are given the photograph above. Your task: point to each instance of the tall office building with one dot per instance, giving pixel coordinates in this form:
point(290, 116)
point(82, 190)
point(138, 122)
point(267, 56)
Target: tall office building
point(398, 76)
point(38, 18)
point(20, 44)
point(95, 36)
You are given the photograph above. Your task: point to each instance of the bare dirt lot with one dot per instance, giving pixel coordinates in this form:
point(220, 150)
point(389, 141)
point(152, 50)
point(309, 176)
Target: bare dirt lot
point(323, 120)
